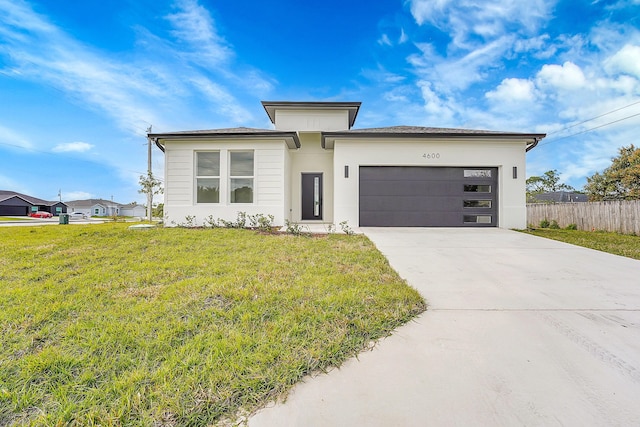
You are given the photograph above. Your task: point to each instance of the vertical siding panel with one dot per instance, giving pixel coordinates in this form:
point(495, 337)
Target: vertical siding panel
point(622, 216)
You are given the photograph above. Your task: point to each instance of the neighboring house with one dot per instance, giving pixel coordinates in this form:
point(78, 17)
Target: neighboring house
point(133, 210)
point(559, 197)
point(18, 204)
point(314, 168)
point(95, 207)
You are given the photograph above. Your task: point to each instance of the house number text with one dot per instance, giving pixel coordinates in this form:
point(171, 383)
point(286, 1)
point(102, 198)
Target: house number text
point(431, 155)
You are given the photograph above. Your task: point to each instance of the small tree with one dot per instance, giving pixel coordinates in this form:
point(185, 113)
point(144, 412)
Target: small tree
point(620, 181)
point(548, 182)
point(158, 210)
point(150, 186)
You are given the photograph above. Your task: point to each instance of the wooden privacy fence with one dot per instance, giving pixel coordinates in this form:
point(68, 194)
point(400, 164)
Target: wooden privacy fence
point(622, 216)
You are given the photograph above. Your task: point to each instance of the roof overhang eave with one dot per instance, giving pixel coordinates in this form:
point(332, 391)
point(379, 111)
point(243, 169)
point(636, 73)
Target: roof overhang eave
point(329, 138)
point(291, 138)
point(271, 106)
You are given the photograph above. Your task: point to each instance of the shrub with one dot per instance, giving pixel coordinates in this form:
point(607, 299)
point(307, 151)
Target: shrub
point(346, 229)
point(554, 225)
point(572, 227)
point(294, 228)
point(261, 222)
point(544, 223)
point(211, 222)
point(189, 221)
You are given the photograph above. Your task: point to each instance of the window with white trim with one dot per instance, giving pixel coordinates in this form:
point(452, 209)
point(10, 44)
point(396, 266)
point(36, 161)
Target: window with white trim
point(241, 176)
point(208, 177)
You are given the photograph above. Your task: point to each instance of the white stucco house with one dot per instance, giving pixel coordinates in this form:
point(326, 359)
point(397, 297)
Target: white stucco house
point(314, 167)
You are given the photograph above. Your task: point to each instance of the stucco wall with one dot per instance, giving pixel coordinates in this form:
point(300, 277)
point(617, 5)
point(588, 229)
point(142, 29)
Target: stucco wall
point(431, 152)
point(310, 158)
point(311, 120)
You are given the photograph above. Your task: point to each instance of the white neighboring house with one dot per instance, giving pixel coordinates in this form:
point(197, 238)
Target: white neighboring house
point(134, 210)
point(315, 168)
point(101, 207)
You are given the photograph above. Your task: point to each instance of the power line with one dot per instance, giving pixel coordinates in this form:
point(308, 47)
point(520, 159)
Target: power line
point(81, 160)
point(589, 130)
point(593, 118)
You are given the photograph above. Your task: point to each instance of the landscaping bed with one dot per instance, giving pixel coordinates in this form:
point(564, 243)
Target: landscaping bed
point(102, 325)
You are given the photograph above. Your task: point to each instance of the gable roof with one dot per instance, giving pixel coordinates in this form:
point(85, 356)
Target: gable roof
point(87, 203)
point(271, 107)
point(291, 138)
point(6, 194)
point(328, 138)
point(560, 197)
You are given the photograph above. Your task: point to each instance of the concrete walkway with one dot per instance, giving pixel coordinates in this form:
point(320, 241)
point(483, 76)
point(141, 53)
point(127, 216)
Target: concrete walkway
point(520, 331)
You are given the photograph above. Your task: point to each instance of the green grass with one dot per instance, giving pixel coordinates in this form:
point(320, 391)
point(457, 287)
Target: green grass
point(101, 325)
point(614, 243)
point(14, 218)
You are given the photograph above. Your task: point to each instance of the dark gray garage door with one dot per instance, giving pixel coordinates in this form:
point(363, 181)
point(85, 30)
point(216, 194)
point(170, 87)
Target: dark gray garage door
point(411, 196)
point(14, 210)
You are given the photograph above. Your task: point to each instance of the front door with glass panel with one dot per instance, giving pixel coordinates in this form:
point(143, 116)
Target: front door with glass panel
point(311, 196)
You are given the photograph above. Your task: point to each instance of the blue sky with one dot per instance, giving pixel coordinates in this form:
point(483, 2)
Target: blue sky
point(80, 81)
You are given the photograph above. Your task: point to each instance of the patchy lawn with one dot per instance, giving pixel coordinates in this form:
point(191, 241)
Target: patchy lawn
point(101, 325)
point(614, 243)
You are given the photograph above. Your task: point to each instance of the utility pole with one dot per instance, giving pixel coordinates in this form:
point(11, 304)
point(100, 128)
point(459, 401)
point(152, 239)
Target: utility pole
point(149, 174)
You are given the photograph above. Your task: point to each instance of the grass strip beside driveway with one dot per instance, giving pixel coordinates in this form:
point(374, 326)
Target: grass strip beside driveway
point(105, 325)
point(614, 243)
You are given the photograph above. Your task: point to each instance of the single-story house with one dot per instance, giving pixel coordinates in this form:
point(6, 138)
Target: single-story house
point(101, 207)
point(133, 209)
point(18, 204)
point(559, 197)
point(95, 207)
point(314, 167)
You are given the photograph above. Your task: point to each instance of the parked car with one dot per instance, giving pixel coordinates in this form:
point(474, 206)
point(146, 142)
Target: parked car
point(41, 214)
point(78, 215)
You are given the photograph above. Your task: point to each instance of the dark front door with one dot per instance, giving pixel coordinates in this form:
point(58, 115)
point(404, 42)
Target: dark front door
point(311, 196)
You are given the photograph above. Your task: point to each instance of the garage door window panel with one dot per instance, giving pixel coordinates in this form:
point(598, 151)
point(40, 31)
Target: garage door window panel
point(477, 173)
point(477, 219)
point(477, 204)
point(477, 188)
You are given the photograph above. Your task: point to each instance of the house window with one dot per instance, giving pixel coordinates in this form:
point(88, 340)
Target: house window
point(241, 176)
point(208, 177)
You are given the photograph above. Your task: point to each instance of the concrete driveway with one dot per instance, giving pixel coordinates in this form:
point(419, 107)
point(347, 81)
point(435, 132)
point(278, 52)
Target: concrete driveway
point(520, 331)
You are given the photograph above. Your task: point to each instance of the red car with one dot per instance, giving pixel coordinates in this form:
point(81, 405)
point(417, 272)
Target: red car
point(41, 214)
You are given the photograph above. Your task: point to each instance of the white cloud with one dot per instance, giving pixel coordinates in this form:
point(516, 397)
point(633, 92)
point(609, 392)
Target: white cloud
point(626, 60)
point(137, 92)
point(513, 90)
point(458, 72)
point(464, 18)
point(10, 184)
point(403, 37)
point(384, 40)
point(194, 27)
point(77, 147)
point(440, 110)
point(77, 195)
point(9, 137)
point(567, 76)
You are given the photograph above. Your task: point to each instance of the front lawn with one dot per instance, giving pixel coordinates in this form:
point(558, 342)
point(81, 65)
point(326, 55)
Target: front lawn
point(102, 325)
point(614, 243)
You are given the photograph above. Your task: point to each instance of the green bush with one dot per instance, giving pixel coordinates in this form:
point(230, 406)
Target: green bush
point(572, 227)
point(544, 223)
point(554, 225)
